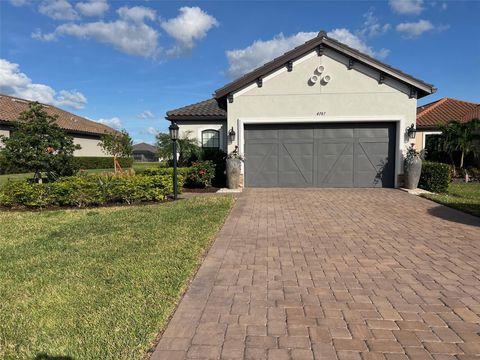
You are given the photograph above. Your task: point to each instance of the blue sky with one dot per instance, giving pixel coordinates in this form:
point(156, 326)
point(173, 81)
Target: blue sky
point(127, 62)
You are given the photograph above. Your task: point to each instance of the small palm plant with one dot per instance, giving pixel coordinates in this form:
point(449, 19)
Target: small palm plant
point(462, 137)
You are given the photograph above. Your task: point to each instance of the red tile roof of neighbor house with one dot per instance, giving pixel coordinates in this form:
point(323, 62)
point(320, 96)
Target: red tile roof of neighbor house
point(445, 110)
point(11, 107)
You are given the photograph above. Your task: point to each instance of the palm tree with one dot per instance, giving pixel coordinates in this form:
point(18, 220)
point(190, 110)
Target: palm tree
point(461, 137)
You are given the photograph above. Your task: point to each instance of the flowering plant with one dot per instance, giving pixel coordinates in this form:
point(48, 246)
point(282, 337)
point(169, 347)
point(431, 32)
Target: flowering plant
point(235, 154)
point(412, 153)
point(200, 174)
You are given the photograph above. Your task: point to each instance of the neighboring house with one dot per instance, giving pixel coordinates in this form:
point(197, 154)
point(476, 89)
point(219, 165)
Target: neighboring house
point(145, 152)
point(85, 133)
point(322, 114)
point(441, 112)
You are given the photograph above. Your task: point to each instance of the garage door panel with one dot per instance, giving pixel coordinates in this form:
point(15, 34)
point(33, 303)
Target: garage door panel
point(323, 155)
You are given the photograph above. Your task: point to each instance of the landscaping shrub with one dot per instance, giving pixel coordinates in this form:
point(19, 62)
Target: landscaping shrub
point(100, 162)
point(165, 171)
point(218, 157)
point(435, 177)
point(200, 174)
point(87, 190)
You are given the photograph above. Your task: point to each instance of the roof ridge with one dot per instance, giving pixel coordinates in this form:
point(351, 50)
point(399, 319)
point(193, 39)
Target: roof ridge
point(463, 101)
point(434, 106)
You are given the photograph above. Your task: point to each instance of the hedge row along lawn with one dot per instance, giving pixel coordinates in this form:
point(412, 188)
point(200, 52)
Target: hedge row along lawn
point(98, 283)
point(460, 196)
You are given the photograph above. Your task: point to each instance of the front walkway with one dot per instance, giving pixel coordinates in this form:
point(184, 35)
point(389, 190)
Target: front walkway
point(321, 273)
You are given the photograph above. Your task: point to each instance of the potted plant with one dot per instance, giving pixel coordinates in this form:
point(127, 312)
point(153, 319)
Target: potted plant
point(413, 167)
point(234, 164)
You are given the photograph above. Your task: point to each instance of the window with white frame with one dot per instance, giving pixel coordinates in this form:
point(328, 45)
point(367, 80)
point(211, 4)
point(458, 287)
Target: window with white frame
point(210, 139)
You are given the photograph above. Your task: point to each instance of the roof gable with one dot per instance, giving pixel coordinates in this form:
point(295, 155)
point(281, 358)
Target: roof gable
point(207, 109)
point(319, 43)
point(11, 107)
point(445, 110)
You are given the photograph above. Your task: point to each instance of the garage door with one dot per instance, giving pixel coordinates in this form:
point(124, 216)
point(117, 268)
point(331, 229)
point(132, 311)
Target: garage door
point(320, 155)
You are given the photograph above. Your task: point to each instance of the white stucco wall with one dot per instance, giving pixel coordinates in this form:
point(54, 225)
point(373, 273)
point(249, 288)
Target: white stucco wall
point(193, 130)
point(351, 96)
point(90, 145)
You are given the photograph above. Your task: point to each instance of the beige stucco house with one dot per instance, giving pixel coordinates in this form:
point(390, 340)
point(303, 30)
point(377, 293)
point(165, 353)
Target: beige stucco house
point(320, 115)
point(85, 133)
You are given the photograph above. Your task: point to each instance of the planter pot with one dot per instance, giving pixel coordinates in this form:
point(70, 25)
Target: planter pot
point(233, 173)
point(413, 169)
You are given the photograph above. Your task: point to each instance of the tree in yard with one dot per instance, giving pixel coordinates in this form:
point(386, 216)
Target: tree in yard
point(187, 148)
point(38, 144)
point(117, 144)
point(461, 137)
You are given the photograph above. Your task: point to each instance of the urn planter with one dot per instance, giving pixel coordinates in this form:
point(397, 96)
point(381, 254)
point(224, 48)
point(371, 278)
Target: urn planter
point(412, 170)
point(233, 173)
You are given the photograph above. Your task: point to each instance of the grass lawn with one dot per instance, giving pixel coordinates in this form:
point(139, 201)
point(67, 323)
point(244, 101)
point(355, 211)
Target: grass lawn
point(137, 166)
point(461, 196)
point(98, 283)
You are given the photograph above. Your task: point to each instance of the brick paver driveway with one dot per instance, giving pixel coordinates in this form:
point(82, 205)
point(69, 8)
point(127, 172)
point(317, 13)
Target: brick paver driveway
point(327, 274)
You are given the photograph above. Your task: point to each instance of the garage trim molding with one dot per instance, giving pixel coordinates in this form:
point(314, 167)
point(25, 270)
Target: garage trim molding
point(398, 119)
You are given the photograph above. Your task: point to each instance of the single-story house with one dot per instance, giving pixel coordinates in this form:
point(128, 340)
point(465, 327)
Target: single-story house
point(441, 112)
point(145, 152)
point(85, 133)
point(320, 115)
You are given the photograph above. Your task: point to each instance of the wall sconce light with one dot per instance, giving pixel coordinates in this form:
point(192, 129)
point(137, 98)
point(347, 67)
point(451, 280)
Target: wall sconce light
point(231, 135)
point(411, 131)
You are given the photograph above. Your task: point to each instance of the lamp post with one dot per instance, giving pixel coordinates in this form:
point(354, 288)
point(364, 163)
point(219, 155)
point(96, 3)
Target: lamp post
point(173, 128)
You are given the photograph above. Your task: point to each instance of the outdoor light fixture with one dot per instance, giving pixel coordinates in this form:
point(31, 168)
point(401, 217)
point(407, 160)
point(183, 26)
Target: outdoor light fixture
point(231, 135)
point(173, 128)
point(411, 131)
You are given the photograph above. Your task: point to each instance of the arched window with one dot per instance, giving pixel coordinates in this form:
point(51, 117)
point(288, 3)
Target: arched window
point(211, 139)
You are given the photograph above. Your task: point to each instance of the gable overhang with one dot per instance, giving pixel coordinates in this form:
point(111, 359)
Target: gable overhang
point(319, 43)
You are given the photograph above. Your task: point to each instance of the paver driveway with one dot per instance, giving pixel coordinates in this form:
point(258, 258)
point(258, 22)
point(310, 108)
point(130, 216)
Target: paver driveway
point(327, 274)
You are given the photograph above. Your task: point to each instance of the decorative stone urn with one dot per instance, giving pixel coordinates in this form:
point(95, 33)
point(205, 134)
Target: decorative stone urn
point(412, 170)
point(233, 172)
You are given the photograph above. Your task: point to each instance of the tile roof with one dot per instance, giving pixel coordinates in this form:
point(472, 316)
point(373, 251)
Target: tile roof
point(11, 107)
point(207, 109)
point(445, 110)
point(144, 147)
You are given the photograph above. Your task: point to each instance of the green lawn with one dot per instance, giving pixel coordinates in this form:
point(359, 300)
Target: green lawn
point(137, 166)
point(461, 196)
point(98, 283)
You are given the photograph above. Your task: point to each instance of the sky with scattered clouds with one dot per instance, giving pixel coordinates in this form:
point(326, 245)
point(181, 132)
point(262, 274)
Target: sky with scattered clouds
point(125, 63)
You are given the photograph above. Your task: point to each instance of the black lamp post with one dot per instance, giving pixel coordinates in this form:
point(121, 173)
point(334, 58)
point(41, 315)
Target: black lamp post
point(173, 128)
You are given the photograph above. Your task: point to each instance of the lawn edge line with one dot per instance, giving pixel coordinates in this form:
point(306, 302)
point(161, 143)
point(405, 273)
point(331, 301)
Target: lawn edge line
point(149, 352)
point(424, 196)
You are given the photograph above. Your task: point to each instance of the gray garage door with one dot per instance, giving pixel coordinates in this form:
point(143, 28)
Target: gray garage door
point(320, 155)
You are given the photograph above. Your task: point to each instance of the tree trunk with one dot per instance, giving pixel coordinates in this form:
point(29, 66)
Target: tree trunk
point(461, 159)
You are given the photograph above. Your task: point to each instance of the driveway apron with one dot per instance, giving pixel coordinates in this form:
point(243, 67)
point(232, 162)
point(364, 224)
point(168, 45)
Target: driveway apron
point(334, 274)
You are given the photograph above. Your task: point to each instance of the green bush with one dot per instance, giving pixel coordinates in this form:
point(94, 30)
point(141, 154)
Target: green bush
point(87, 190)
point(100, 162)
point(165, 171)
point(200, 174)
point(435, 177)
point(217, 156)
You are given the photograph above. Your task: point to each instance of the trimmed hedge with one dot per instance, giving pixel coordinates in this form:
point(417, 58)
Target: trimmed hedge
point(89, 190)
point(435, 177)
point(165, 171)
point(100, 162)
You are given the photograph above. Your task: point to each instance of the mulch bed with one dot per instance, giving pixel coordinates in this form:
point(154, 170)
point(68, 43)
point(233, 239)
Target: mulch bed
point(201, 190)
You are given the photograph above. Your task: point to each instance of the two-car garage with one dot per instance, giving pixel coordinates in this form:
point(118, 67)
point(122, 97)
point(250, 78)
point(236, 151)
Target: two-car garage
point(320, 155)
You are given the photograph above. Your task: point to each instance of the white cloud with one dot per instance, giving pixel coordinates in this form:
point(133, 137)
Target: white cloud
point(191, 25)
point(348, 38)
point(129, 34)
point(19, 2)
point(15, 83)
point(244, 60)
point(413, 30)
point(58, 9)
point(152, 131)
point(410, 7)
point(92, 7)
point(113, 122)
point(147, 114)
point(372, 26)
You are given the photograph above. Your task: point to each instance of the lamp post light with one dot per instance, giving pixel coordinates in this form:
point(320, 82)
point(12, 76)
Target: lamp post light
point(173, 128)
